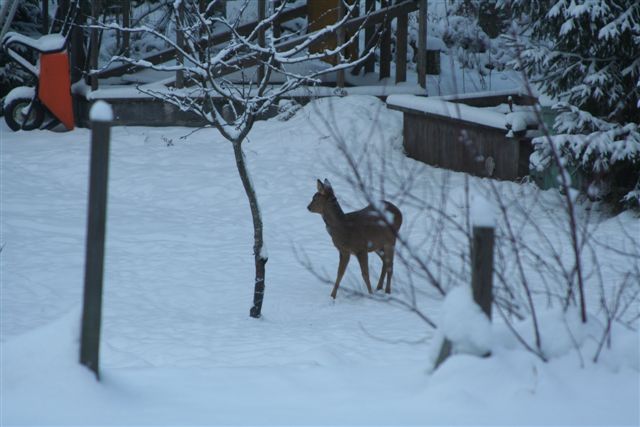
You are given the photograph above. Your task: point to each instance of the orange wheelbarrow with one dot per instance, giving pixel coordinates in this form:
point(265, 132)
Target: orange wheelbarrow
point(25, 107)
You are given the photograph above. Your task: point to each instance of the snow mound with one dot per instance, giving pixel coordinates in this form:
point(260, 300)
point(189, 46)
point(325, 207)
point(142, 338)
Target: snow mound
point(464, 323)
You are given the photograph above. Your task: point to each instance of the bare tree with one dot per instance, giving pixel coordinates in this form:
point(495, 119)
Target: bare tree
point(256, 54)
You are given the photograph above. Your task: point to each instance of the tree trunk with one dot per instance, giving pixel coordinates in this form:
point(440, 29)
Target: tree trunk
point(259, 253)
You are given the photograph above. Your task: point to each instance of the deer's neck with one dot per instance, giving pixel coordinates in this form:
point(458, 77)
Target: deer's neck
point(332, 214)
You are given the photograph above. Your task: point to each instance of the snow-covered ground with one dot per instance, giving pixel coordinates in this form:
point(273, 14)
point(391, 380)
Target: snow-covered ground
point(178, 346)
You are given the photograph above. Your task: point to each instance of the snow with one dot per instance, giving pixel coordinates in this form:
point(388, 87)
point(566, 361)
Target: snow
point(520, 120)
point(23, 92)
point(178, 345)
point(46, 43)
point(482, 212)
point(101, 112)
point(516, 122)
point(463, 322)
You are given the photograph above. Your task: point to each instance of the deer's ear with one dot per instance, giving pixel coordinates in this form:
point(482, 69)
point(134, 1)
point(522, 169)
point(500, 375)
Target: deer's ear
point(320, 187)
point(327, 185)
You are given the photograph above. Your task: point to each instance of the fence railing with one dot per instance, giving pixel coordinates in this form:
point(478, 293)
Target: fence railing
point(376, 24)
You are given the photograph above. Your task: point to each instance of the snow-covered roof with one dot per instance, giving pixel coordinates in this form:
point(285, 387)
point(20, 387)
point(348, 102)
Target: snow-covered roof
point(516, 121)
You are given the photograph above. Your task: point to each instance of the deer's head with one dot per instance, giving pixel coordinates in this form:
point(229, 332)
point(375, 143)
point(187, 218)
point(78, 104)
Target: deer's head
point(322, 196)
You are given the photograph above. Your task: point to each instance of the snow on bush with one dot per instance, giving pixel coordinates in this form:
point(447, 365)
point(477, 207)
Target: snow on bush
point(563, 334)
point(584, 53)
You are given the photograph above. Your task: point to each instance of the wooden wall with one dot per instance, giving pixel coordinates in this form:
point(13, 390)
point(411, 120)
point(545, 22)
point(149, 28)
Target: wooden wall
point(465, 147)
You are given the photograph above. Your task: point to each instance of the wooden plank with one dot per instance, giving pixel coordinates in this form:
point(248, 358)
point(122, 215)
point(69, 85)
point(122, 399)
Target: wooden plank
point(385, 45)
point(276, 23)
point(340, 41)
point(95, 44)
point(181, 45)
point(261, 38)
point(126, 22)
point(402, 25)
point(370, 36)
point(422, 43)
point(45, 17)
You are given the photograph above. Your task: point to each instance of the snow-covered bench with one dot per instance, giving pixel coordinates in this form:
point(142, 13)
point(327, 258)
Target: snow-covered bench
point(491, 137)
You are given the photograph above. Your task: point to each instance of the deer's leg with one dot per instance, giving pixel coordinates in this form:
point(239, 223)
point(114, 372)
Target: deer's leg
point(342, 266)
point(388, 254)
point(363, 259)
point(384, 270)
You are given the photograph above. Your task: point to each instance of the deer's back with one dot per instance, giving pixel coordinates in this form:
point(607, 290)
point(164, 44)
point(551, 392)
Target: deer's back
point(368, 229)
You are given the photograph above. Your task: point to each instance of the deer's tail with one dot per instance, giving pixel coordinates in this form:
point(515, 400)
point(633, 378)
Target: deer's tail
point(397, 216)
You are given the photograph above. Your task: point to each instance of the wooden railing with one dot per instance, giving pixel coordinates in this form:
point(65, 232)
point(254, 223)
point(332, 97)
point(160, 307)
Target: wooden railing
point(377, 30)
point(218, 38)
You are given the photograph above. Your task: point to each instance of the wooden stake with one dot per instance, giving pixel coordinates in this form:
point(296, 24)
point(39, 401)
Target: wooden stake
point(481, 279)
point(422, 44)
point(94, 263)
point(401, 48)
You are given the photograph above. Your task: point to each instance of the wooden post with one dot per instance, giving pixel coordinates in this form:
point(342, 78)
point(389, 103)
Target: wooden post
point(482, 267)
point(422, 44)
point(60, 18)
point(481, 278)
point(45, 16)
point(261, 39)
point(385, 45)
point(96, 223)
point(276, 23)
point(126, 23)
point(180, 43)
point(341, 38)
point(369, 37)
point(95, 43)
point(401, 48)
point(77, 56)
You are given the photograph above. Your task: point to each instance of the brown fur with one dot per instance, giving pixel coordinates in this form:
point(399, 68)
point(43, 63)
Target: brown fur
point(357, 233)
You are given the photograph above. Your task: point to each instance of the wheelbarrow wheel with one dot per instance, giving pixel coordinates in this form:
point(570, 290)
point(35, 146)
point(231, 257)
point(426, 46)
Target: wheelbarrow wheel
point(23, 114)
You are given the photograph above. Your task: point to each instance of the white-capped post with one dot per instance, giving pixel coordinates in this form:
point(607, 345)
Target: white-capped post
point(101, 117)
point(483, 224)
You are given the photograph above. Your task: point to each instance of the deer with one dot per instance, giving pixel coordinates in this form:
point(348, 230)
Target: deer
point(371, 229)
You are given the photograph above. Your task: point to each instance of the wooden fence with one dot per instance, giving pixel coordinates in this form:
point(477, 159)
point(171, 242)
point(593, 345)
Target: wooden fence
point(461, 144)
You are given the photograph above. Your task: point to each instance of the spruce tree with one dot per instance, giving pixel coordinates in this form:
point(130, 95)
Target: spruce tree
point(583, 52)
